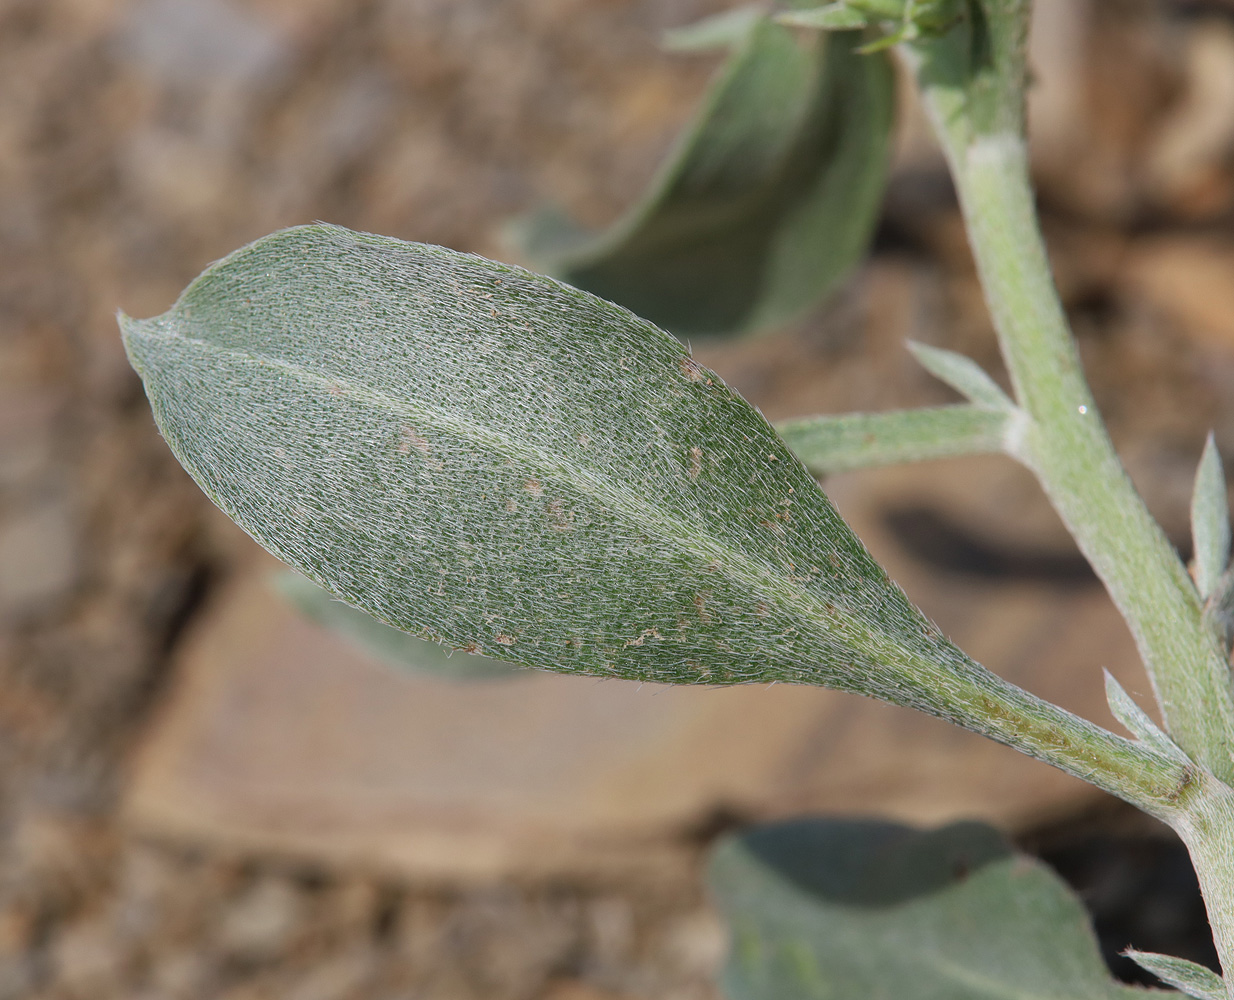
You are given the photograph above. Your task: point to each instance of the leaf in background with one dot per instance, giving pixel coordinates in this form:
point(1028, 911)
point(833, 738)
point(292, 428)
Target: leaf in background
point(769, 200)
point(390, 645)
point(720, 31)
point(1210, 521)
point(848, 908)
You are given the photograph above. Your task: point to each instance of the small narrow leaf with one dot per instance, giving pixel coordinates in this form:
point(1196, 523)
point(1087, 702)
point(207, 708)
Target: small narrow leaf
point(390, 645)
point(1136, 720)
point(1195, 980)
point(1210, 521)
point(830, 444)
point(483, 456)
point(835, 908)
point(963, 374)
point(832, 17)
point(769, 200)
point(720, 31)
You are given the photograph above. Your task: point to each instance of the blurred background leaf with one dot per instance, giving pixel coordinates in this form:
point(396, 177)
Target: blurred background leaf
point(769, 200)
point(862, 908)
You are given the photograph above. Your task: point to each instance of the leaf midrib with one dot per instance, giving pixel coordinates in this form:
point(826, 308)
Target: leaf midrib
point(749, 572)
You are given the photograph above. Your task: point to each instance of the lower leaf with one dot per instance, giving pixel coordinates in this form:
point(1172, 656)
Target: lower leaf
point(828, 908)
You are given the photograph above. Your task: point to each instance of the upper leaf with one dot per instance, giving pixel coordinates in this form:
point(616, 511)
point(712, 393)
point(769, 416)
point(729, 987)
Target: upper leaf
point(769, 200)
point(473, 452)
point(832, 908)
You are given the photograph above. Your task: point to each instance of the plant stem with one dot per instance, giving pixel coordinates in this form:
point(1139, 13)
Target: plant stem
point(848, 441)
point(1206, 830)
point(973, 81)
point(1065, 443)
point(978, 116)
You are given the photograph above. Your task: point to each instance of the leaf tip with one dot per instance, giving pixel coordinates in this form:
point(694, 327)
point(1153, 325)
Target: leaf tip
point(1210, 520)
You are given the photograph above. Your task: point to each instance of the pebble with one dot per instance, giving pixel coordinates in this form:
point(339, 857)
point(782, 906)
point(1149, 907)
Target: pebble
point(262, 923)
point(38, 557)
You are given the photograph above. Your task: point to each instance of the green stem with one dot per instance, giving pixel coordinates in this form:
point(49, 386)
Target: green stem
point(975, 97)
point(1206, 828)
point(840, 443)
point(976, 699)
point(1065, 443)
point(973, 82)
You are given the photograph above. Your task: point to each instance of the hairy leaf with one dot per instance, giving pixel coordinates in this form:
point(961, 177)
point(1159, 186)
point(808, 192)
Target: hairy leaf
point(388, 644)
point(848, 908)
point(1136, 720)
point(830, 444)
point(477, 453)
point(769, 200)
point(1194, 980)
point(1210, 521)
point(963, 374)
point(483, 456)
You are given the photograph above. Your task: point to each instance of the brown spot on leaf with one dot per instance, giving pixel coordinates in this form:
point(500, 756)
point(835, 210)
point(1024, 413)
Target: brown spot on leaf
point(696, 462)
point(505, 640)
point(533, 487)
point(408, 439)
point(558, 516)
point(700, 604)
point(692, 370)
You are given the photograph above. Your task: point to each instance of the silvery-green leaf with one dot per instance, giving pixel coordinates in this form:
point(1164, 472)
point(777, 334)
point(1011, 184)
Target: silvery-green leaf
point(841, 442)
point(768, 201)
point(388, 644)
point(963, 374)
point(481, 455)
point(720, 31)
point(1193, 979)
point(849, 908)
point(1210, 521)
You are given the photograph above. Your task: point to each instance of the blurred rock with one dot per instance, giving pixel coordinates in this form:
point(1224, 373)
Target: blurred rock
point(38, 556)
point(86, 957)
point(1190, 162)
point(263, 921)
point(1191, 279)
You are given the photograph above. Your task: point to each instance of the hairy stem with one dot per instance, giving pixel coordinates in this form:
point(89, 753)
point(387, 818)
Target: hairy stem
point(1065, 443)
point(972, 82)
point(840, 443)
point(1206, 830)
